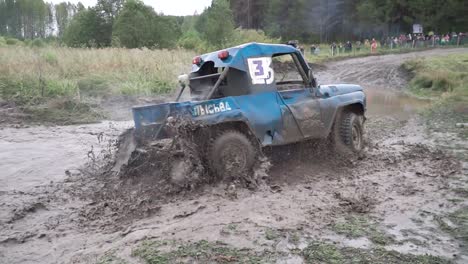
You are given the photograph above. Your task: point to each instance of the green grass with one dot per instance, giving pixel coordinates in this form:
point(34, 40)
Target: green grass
point(319, 252)
point(161, 252)
point(272, 234)
point(355, 226)
point(63, 112)
point(443, 77)
point(172, 251)
point(459, 229)
point(445, 80)
point(35, 78)
point(111, 258)
point(30, 75)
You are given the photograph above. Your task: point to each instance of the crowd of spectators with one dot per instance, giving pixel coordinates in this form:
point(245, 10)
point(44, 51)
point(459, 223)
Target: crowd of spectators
point(421, 40)
point(390, 42)
point(401, 41)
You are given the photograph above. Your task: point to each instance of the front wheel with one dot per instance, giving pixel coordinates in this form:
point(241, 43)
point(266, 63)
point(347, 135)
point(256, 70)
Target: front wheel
point(231, 155)
point(349, 133)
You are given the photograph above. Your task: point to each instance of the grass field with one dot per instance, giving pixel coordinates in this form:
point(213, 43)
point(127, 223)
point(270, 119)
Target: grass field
point(445, 80)
point(65, 85)
point(29, 75)
point(57, 83)
point(444, 77)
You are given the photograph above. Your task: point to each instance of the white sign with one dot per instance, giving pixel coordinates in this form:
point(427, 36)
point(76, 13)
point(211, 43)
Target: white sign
point(417, 29)
point(260, 70)
point(210, 109)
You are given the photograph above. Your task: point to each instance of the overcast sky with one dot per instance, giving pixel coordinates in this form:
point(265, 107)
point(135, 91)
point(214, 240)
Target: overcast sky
point(168, 7)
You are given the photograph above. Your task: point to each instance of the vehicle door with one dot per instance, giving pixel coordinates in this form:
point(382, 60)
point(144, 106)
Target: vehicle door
point(300, 107)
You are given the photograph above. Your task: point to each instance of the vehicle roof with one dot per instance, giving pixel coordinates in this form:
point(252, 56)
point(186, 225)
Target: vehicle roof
point(239, 54)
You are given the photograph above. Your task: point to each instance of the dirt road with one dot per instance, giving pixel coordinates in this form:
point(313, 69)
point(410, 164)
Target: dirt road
point(397, 196)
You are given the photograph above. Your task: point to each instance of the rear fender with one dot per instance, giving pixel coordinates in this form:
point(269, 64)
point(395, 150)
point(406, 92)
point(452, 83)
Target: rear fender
point(237, 125)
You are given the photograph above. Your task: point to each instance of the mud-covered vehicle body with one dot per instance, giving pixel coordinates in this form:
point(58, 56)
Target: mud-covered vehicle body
point(257, 95)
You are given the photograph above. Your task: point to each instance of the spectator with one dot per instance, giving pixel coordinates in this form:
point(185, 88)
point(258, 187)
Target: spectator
point(317, 50)
point(373, 46)
point(366, 43)
point(312, 49)
point(358, 45)
point(348, 46)
point(333, 48)
point(395, 42)
point(389, 42)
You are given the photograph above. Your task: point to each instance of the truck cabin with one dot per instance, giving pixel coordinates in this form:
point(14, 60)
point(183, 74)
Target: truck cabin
point(234, 71)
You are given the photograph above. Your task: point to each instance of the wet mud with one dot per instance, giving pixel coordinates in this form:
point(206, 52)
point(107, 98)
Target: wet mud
point(65, 198)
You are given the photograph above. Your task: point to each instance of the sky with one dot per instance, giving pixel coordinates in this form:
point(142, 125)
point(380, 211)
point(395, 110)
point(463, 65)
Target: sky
point(168, 7)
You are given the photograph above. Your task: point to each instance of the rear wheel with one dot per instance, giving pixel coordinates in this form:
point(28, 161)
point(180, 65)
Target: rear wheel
point(231, 155)
point(349, 133)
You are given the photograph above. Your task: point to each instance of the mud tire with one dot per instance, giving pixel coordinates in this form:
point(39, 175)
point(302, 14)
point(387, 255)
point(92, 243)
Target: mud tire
point(231, 155)
point(349, 133)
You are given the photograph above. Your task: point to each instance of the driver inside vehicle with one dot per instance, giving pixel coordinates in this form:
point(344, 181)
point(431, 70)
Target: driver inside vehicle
point(287, 75)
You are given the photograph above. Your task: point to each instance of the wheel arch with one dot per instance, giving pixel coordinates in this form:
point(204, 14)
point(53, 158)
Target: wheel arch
point(357, 107)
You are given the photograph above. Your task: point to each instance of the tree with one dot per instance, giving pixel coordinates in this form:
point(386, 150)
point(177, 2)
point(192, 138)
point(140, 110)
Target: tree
point(249, 13)
point(108, 10)
point(62, 17)
point(216, 23)
point(85, 30)
point(134, 26)
point(138, 25)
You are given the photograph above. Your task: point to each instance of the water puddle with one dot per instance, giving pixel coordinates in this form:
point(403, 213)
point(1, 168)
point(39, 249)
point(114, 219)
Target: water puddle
point(393, 103)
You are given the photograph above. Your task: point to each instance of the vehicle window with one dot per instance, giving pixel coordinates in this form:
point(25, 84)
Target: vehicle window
point(287, 74)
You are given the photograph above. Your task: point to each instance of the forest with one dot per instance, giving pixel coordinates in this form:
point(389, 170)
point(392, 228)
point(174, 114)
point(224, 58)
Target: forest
point(132, 24)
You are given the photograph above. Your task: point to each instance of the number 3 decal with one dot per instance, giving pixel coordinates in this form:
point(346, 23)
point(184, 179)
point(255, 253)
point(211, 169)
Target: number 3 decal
point(260, 71)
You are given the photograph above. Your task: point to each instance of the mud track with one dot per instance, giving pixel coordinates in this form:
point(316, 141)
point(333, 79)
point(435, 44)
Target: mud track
point(57, 207)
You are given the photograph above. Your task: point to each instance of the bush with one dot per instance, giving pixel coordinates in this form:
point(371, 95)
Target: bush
point(190, 40)
point(20, 91)
point(12, 41)
point(2, 42)
point(60, 88)
point(50, 58)
point(436, 81)
point(93, 86)
point(241, 36)
point(422, 81)
point(38, 43)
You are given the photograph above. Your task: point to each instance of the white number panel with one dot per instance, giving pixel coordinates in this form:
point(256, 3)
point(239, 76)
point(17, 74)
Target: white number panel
point(260, 70)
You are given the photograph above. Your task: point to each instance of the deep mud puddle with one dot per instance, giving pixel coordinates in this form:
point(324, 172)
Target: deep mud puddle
point(393, 104)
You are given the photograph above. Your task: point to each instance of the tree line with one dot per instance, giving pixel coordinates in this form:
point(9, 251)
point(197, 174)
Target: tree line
point(132, 24)
point(29, 19)
point(330, 20)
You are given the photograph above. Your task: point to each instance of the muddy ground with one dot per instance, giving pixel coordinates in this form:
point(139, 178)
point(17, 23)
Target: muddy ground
point(394, 204)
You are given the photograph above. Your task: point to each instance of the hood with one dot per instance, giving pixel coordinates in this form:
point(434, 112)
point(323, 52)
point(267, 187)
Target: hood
point(338, 89)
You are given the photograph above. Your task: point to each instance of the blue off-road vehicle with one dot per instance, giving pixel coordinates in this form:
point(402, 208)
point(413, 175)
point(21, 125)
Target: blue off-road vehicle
point(255, 95)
